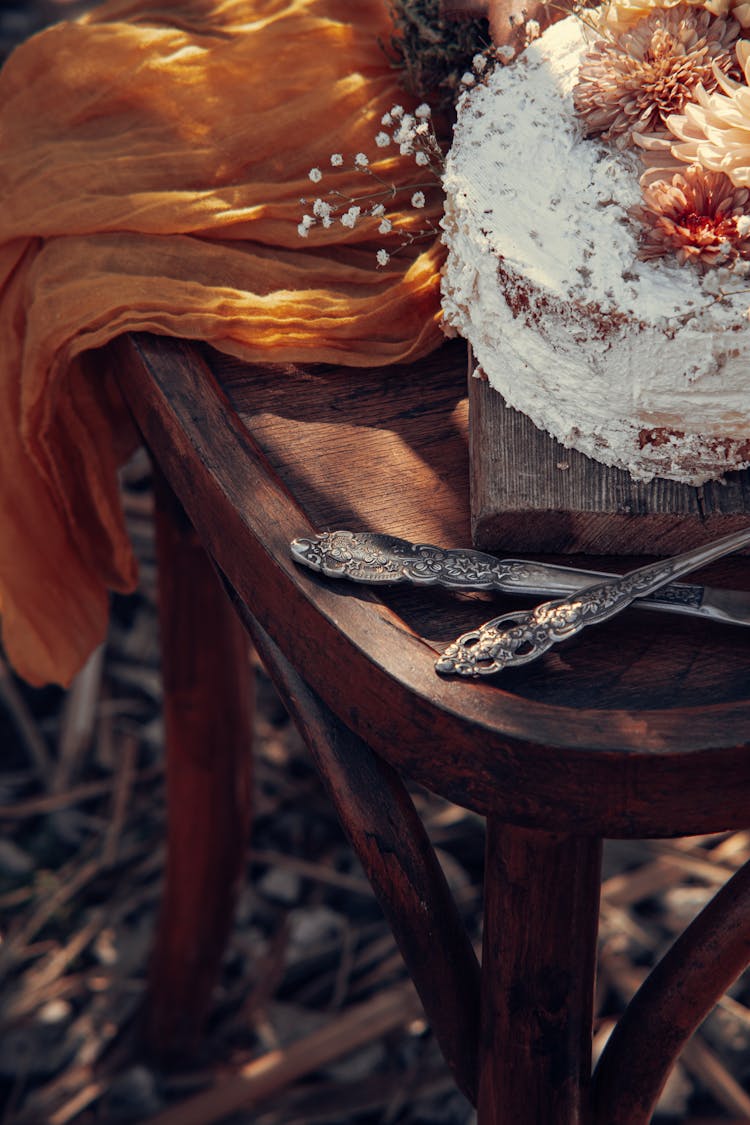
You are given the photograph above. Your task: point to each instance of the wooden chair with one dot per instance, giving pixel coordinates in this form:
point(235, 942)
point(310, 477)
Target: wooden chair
point(639, 729)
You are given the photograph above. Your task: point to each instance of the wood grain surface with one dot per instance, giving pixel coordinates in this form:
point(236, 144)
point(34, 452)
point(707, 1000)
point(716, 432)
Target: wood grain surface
point(529, 493)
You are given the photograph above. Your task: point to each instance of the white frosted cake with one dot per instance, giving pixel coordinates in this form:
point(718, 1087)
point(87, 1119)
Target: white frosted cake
point(622, 338)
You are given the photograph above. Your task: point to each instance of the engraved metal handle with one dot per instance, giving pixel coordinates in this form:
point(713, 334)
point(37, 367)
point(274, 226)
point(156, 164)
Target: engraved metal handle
point(518, 638)
point(364, 556)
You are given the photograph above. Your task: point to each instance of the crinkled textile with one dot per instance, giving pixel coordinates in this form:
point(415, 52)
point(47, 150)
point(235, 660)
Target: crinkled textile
point(152, 159)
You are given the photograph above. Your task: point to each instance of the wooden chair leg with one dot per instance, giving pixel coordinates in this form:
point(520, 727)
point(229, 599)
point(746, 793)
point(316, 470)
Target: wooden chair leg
point(208, 712)
point(541, 913)
point(379, 817)
point(671, 1003)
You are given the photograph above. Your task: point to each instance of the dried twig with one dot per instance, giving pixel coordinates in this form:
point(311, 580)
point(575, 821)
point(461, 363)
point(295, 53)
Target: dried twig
point(704, 1064)
point(263, 1077)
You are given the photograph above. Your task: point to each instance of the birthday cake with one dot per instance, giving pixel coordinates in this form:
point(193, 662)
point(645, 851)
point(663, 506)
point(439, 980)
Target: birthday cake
point(598, 231)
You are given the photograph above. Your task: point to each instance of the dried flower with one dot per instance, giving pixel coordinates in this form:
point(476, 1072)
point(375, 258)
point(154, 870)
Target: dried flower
point(349, 218)
point(632, 82)
point(619, 15)
point(433, 49)
point(714, 130)
point(383, 257)
point(415, 134)
point(698, 215)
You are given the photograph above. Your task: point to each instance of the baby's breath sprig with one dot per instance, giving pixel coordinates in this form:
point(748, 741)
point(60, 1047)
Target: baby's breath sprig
point(414, 135)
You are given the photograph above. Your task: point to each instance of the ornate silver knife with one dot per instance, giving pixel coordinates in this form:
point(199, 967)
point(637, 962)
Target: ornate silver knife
point(518, 638)
point(385, 559)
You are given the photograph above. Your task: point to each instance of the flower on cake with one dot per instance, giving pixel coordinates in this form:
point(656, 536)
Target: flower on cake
point(622, 14)
point(634, 80)
point(714, 130)
point(698, 215)
point(672, 79)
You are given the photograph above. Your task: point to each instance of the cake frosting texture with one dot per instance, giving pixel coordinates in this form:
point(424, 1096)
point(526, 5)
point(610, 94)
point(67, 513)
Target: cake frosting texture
point(644, 365)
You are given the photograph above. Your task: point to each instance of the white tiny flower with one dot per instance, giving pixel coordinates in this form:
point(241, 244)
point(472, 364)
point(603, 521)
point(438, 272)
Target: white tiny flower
point(302, 230)
point(336, 160)
point(386, 119)
point(423, 129)
point(423, 110)
point(407, 131)
point(350, 218)
point(361, 160)
point(382, 140)
point(315, 175)
point(743, 225)
point(479, 63)
point(417, 200)
point(378, 211)
point(385, 227)
point(327, 221)
point(383, 257)
point(397, 111)
point(533, 30)
point(468, 79)
point(421, 158)
point(321, 208)
point(308, 221)
point(506, 54)
point(406, 148)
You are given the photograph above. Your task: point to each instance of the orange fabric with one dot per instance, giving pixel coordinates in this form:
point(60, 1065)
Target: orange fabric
point(152, 159)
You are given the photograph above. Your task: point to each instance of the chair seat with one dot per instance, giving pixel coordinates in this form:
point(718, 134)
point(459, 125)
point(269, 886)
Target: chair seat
point(639, 728)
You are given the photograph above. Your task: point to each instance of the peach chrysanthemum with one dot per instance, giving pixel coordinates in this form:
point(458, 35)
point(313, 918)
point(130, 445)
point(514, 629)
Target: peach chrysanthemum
point(697, 215)
point(714, 129)
point(632, 82)
point(619, 15)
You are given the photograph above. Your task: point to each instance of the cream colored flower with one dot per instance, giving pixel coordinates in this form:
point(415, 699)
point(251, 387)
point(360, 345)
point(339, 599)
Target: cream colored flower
point(632, 81)
point(697, 215)
point(619, 15)
point(714, 130)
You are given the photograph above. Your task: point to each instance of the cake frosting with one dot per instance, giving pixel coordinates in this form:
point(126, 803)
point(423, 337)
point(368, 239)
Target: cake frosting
point(640, 364)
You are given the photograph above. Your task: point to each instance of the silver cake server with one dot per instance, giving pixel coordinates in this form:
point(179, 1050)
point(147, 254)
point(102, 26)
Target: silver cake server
point(518, 638)
point(386, 560)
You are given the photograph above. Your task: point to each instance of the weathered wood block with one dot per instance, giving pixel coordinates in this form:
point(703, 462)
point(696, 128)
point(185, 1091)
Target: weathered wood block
point(529, 493)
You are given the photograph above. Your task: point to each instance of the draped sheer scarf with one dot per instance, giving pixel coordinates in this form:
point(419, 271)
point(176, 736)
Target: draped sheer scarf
point(152, 162)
